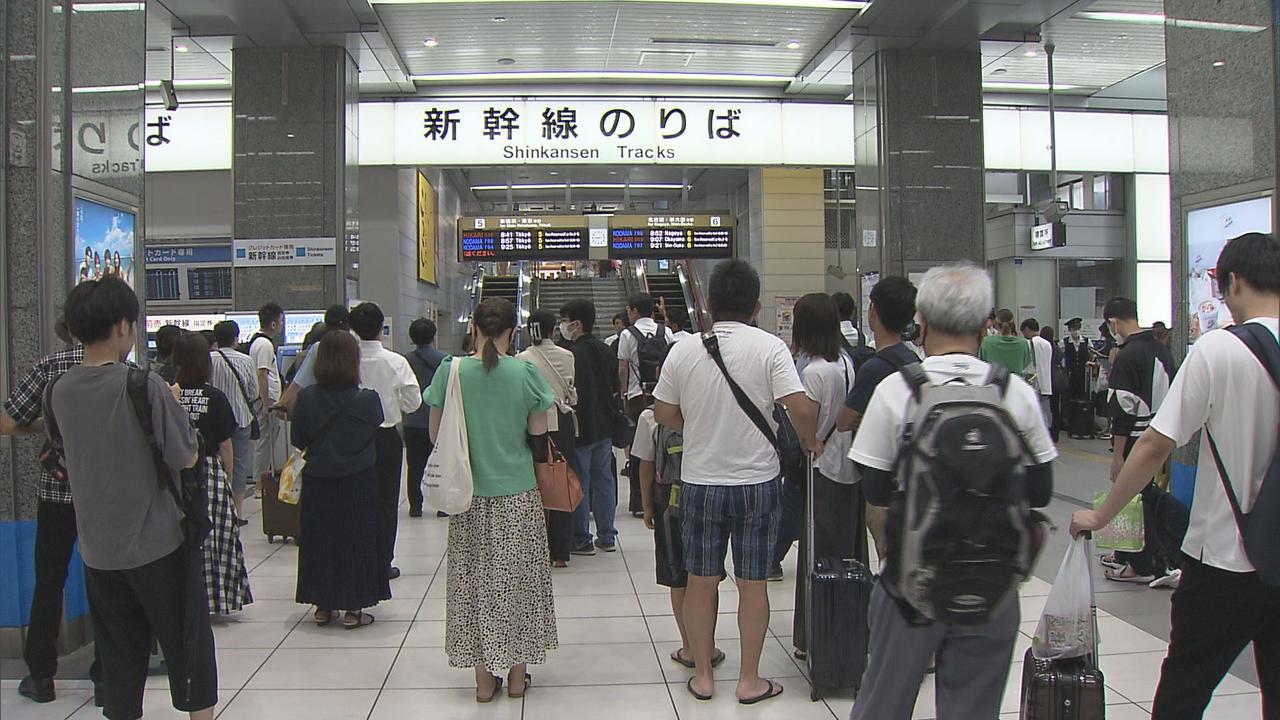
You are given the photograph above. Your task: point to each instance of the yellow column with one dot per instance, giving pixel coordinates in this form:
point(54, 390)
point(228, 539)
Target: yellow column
point(788, 222)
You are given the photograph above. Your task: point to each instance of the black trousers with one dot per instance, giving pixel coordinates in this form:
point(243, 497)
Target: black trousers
point(839, 531)
point(417, 446)
point(55, 540)
point(1216, 614)
point(165, 600)
point(389, 452)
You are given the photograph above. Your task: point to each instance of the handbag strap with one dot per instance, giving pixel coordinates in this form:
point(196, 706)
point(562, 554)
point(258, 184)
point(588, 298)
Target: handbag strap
point(239, 381)
point(712, 344)
point(548, 369)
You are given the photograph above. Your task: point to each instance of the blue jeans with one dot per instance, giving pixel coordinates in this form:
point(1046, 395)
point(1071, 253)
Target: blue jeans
point(600, 494)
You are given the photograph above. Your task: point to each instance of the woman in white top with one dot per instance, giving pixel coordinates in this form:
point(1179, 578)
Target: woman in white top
point(827, 375)
point(556, 365)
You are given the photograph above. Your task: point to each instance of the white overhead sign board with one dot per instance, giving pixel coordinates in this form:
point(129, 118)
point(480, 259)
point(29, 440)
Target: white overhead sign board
point(285, 251)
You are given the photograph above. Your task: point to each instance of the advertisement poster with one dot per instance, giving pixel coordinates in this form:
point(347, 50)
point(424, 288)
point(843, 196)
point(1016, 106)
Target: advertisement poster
point(427, 239)
point(103, 242)
point(285, 251)
point(786, 309)
point(1208, 230)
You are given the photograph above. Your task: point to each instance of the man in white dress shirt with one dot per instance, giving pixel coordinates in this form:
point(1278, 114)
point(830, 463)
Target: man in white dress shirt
point(389, 375)
point(1042, 355)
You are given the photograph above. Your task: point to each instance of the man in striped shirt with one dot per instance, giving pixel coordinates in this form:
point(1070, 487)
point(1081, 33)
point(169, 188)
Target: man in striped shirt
point(1139, 380)
point(234, 374)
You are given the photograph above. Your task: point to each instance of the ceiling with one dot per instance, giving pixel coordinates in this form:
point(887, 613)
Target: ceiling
point(805, 48)
point(649, 184)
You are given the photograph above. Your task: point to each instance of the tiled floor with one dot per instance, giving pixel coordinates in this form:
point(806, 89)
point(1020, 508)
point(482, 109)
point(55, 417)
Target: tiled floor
point(616, 632)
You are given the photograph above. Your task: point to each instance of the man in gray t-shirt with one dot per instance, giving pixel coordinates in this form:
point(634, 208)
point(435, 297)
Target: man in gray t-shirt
point(128, 519)
point(145, 580)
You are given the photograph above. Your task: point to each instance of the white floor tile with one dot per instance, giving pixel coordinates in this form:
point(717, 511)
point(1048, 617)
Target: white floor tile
point(596, 631)
point(386, 634)
point(235, 667)
point(347, 669)
point(611, 583)
point(1135, 675)
point(454, 704)
point(265, 587)
point(427, 633)
point(417, 565)
point(15, 707)
point(1247, 706)
point(275, 611)
point(424, 668)
point(251, 634)
point(156, 705)
point(299, 705)
point(616, 702)
point(775, 661)
point(616, 664)
point(598, 606)
point(663, 628)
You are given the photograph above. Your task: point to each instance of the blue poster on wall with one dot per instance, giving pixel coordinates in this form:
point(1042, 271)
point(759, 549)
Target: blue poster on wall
point(103, 241)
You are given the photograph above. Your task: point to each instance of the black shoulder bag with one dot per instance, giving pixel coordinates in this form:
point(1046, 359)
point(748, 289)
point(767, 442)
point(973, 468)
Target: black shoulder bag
point(785, 441)
point(255, 430)
point(1260, 527)
point(193, 495)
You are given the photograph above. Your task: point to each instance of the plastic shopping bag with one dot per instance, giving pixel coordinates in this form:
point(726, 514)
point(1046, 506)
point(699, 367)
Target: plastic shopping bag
point(1125, 531)
point(1066, 627)
point(447, 481)
point(291, 478)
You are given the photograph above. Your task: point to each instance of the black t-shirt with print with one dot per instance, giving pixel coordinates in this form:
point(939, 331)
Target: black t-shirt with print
point(211, 414)
point(877, 368)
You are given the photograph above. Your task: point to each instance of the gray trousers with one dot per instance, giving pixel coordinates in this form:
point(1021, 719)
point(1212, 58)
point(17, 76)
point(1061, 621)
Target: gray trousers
point(973, 664)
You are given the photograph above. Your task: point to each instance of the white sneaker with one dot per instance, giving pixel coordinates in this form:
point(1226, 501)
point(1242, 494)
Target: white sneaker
point(1169, 580)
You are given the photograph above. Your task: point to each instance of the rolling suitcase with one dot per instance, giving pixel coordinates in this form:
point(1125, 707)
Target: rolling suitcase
point(1080, 419)
point(279, 519)
point(1065, 689)
point(838, 594)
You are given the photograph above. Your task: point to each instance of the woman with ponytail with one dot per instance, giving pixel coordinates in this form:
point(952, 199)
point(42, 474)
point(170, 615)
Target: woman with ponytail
point(556, 365)
point(500, 615)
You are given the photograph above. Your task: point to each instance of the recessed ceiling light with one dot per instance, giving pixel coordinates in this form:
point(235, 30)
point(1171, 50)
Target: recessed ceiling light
point(289, 135)
point(613, 172)
point(181, 48)
point(431, 42)
point(1026, 87)
point(1031, 53)
point(499, 19)
point(793, 45)
point(1219, 63)
point(554, 172)
point(602, 76)
point(506, 61)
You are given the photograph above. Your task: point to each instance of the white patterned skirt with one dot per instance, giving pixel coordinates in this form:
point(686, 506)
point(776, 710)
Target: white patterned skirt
point(225, 575)
point(500, 610)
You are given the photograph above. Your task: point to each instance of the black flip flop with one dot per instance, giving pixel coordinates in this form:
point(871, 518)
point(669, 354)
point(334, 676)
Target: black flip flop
point(766, 695)
point(696, 695)
point(717, 658)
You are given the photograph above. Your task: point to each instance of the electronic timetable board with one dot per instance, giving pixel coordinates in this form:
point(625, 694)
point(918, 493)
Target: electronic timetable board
point(671, 236)
point(532, 237)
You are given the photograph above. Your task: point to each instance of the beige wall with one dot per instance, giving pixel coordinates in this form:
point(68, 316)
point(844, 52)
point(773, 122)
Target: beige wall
point(787, 224)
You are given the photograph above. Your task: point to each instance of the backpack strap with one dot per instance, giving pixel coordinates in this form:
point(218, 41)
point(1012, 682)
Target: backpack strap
point(845, 362)
point(998, 375)
point(916, 378)
point(712, 344)
point(137, 388)
point(1258, 340)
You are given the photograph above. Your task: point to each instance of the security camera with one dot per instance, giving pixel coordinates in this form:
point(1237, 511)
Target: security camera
point(170, 95)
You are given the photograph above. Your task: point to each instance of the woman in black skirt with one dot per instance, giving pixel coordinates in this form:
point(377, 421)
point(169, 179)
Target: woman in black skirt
point(334, 423)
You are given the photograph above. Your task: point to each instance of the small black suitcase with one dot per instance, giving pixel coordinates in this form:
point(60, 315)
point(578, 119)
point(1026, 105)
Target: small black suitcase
point(1071, 689)
point(1081, 422)
point(838, 598)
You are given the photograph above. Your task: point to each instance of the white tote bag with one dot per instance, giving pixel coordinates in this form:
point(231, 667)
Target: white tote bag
point(447, 480)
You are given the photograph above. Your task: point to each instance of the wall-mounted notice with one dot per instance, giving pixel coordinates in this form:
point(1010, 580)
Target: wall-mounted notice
point(258, 252)
point(671, 236)
point(532, 237)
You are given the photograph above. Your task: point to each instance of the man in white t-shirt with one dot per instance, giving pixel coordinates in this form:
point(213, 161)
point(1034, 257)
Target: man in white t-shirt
point(1042, 354)
point(972, 660)
point(262, 350)
point(731, 490)
point(1221, 604)
point(643, 326)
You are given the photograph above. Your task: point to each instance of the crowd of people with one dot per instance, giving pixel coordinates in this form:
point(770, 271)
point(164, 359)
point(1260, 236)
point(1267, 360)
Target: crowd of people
point(700, 419)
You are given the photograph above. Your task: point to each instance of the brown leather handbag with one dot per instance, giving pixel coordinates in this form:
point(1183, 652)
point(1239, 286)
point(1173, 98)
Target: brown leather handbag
point(561, 490)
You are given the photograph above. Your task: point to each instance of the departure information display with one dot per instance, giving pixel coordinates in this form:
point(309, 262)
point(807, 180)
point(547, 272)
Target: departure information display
point(671, 236)
point(535, 237)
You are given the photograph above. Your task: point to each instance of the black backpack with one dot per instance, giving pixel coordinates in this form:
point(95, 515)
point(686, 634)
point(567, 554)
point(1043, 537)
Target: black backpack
point(1260, 527)
point(245, 347)
point(651, 351)
point(192, 492)
point(961, 533)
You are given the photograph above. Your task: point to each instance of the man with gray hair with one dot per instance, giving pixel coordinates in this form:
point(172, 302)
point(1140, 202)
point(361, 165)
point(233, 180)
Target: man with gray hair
point(906, 631)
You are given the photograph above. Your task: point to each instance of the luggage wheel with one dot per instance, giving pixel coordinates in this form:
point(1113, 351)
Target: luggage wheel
point(814, 695)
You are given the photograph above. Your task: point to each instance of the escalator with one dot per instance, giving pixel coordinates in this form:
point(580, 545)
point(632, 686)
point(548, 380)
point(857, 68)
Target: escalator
point(671, 288)
point(506, 287)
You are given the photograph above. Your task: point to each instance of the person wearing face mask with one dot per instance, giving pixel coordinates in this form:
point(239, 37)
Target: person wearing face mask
point(596, 378)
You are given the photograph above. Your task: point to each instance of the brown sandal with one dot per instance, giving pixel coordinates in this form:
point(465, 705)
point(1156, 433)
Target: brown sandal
point(497, 686)
point(323, 617)
point(361, 619)
point(528, 681)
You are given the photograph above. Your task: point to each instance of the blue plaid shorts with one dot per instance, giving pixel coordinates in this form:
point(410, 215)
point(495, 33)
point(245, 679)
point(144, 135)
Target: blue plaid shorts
point(715, 517)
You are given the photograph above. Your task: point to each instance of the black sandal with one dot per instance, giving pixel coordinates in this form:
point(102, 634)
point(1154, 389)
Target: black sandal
point(717, 657)
point(697, 695)
point(774, 691)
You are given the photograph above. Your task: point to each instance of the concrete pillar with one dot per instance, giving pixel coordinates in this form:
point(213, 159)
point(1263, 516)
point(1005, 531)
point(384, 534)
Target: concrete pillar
point(296, 169)
point(72, 107)
point(786, 235)
point(918, 128)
